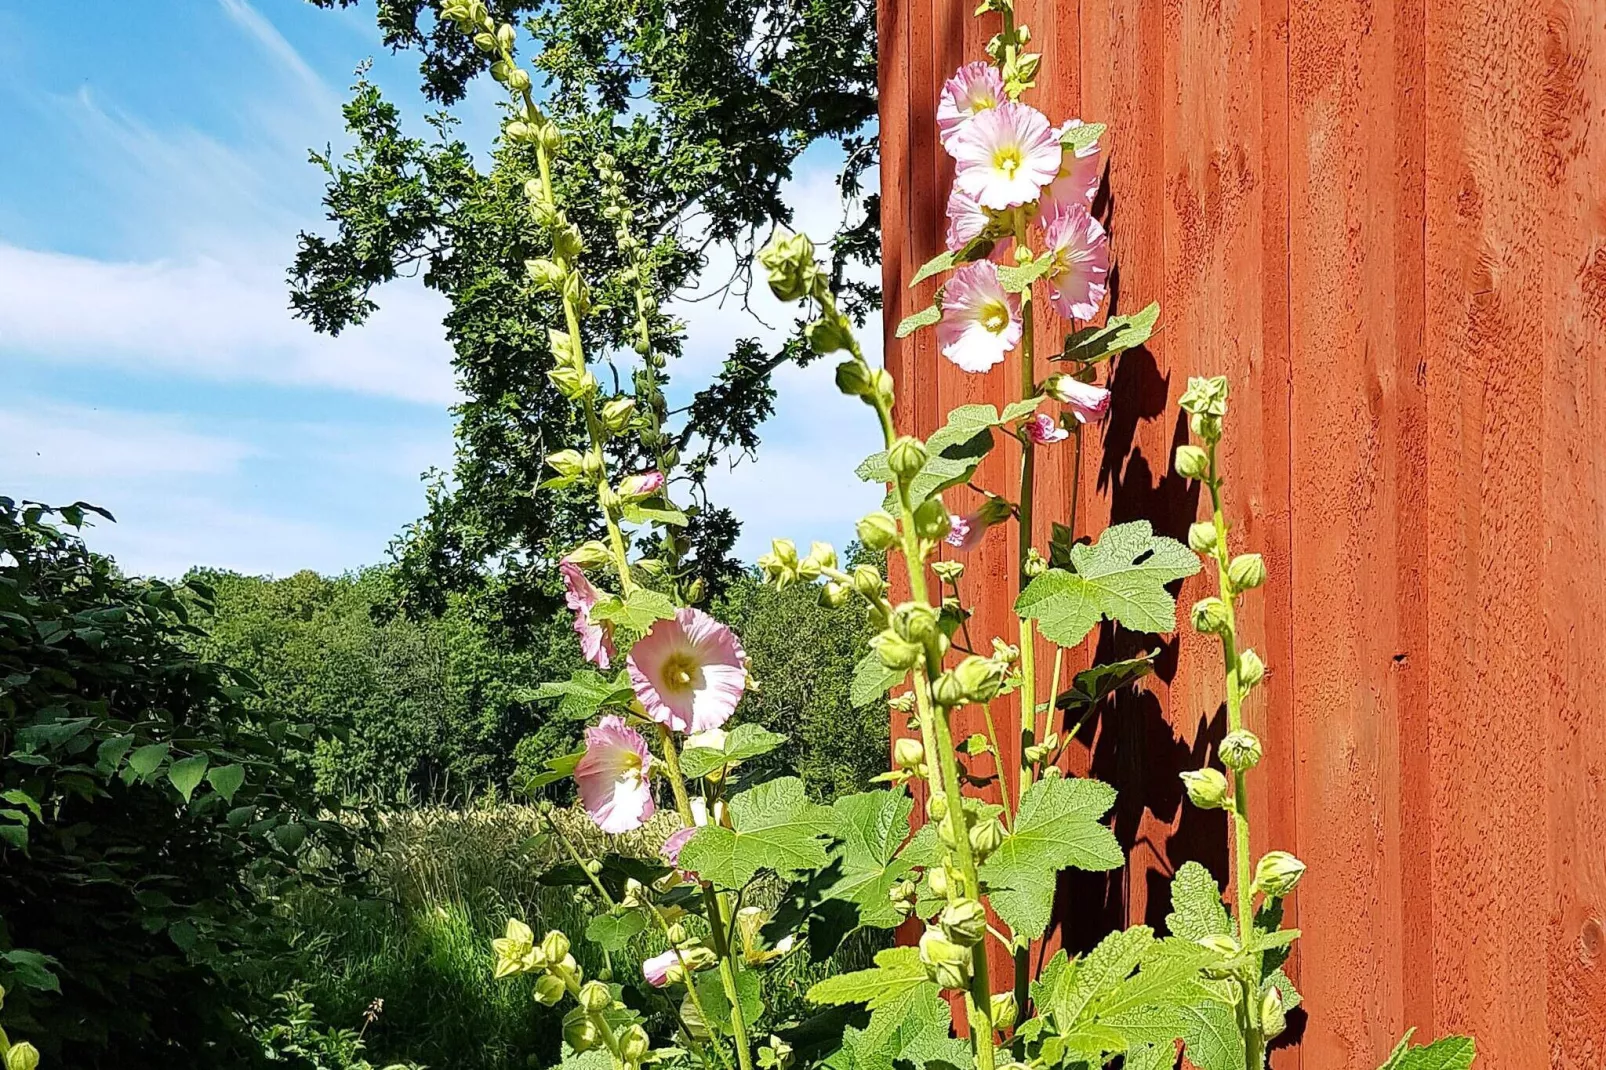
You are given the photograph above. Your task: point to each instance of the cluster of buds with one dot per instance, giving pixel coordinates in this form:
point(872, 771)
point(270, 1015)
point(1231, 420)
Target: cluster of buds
point(948, 963)
point(975, 679)
point(776, 1055)
point(517, 952)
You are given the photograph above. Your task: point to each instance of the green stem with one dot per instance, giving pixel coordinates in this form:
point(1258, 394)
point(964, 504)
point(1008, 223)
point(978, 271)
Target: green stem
point(1031, 731)
point(714, 902)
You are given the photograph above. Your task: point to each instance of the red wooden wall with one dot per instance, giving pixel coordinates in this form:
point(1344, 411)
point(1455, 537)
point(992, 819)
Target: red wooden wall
point(1386, 221)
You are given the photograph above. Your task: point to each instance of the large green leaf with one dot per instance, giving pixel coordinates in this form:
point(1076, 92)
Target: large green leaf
point(897, 970)
point(1092, 685)
point(186, 774)
point(613, 932)
point(914, 321)
point(870, 827)
point(1093, 344)
point(1121, 577)
point(908, 1019)
point(1210, 1033)
point(1196, 907)
point(1446, 1053)
point(872, 679)
point(226, 780)
point(637, 613)
point(776, 828)
point(584, 693)
point(1057, 826)
point(742, 742)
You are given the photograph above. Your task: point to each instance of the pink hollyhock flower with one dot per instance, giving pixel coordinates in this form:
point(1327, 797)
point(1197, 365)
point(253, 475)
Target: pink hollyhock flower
point(689, 672)
point(657, 969)
point(596, 640)
point(613, 776)
point(964, 532)
point(671, 851)
point(975, 87)
point(1077, 282)
point(1005, 155)
point(1078, 180)
point(980, 321)
point(966, 220)
point(1088, 403)
point(641, 485)
point(1042, 430)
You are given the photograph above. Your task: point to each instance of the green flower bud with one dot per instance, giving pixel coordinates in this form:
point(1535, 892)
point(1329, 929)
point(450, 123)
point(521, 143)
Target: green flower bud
point(555, 946)
point(834, 595)
point(581, 1034)
point(854, 378)
point(518, 79)
point(547, 274)
point(931, 519)
point(908, 753)
point(590, 554)
point(903, 896)
point(22, 1056)
point(823, 555)
point(594, 997)
point(617, 414)
point(1273, 1015)
point(1278, 873)
point(634, 1045)
point(947, 692)
point(785, 551)
point(829, 334)
point(485, 42)
point(573, 383)
point(878, 531)
point(776, 1055)
point(549, 989)
point(946, 962)
point(948, 571)
point(980, 678)
point(1210, 616)
point(695, 591)
point(1222, 945)
point(788, 262)
point(504, 36)
point(593, 867)
point(948, 831)
point(1003, 1010)
point(868, 583)
point(698, 957)
point(906, 457)
point(1201, 536)
point(937, 878)
point(1192, 462)
point(1247, 571)
point(1205, 396)
point(964, 921)
point(914, 621)
point(676, 934)
point(1251, 670)
point(1240, 750)
point(895, 652)
point(1205, 427)
point(937, 806)
point(1035, 564)
point(1206, 788)
point(985, 837)
point(566, 463)
point(882, 385)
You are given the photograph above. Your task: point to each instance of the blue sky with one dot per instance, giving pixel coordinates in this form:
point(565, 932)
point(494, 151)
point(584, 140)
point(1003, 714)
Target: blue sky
point(154, 181)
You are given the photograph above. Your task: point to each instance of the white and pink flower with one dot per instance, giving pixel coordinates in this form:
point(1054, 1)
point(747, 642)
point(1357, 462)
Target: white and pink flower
point(671, 851)
point(980, 320)
point(974, 88)
point(1005, 155)
point(1079, 277)
point(1087, 402)
point(1042, 430)
point(641, 485)
point(689, 672)
point(1077, 182)
point(596, 639)
point(967, 219)
point(965, 532)
point(661, 969)
point(614, 776)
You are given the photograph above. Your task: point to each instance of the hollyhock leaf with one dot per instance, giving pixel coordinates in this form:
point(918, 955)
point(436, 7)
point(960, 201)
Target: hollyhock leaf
point(583, 694)
point(1196, 907)
point(638, 612)
point(914, 1030)
point(1210, 1034)
point(749, 991)
point(1057, 826)
point(870, 827)
point(776, 828)
point(643, 513)
point(613, 932)
point(556, 769)
point(1076, 138)
point(1093, 344)
point(1121, 577)
point(897, 971)
point(742, 742)
point(872, 680)
point(1151, 1057)
point(1446, 1053)
point(1091, 686)
point(1018, 278)
point(943, 261)
point(926, 317)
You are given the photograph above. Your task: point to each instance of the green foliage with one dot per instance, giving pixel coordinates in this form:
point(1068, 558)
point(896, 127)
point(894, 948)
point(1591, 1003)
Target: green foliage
point(1121, 577)
point(741, 743)
point(908, 1019)
point(1119, 333)
point(1057, 826)
point(775, 828)
point(156, 810)
point(1446, 1053)
point(870, 828)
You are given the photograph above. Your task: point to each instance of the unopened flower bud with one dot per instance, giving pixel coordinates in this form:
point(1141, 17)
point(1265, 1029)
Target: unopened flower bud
point(854, 378)
point(1035, 565)
point(547, 274)
point(1206, 788)
point(829, 334)
point(788, 262)
point(867, 582)
point(22, 1056)
point(1221, 944)
point(617, 413)
point(947, 692)
point(903, 896)
point(834, 595)
point(882, 386)
point(695, 591)
point(595, 997)
point(1205, 427)
point(1247, 571)
point(485, 42)
point(878, 531)
point(581, 1034)
point(1205, 395)
point(1240, 750)
point(948, 571)
point(590, 554)
point(937, 878)
point(1003, 1010)
point(1210, 616)
point(566, 463)
point(980, 678)
point(932, 520)
point(518, 79)
point(676, 935)
point(698, 957)
point(915, 621)
point(985, 837)
point(946, 962)
point(555, 946)
point(1192, 462)
point(937, 806)
point(895, 652)
point(593, 867)
point(780, 1057)
point(574, 383)
point(785, 551)
point(823, 555)
point(1273, 1015)
point(634, 1045)
point(1278, 873)
point(549, 988)
point(1251, 670)
point(1202, 536)
point(908, 753)
point(641, 485)
point(964, 921)
point(906, 457)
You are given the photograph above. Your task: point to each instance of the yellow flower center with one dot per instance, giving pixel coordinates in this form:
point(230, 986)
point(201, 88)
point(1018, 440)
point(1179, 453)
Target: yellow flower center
point(994, 316)
point(679, 672)
point(1007, 160)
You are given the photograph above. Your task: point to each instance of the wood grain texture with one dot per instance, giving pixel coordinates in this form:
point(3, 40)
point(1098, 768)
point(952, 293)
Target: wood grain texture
point(1386, 222)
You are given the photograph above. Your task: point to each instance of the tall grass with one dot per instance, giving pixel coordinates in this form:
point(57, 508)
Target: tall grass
point(445, 883)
